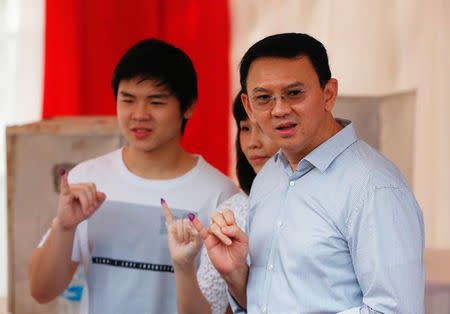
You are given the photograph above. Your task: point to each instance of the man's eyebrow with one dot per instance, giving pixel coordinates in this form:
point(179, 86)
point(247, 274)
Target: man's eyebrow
point(158, 96)
point(125, 94)
point(292, 85)
point(295, 84)
point(259, 89)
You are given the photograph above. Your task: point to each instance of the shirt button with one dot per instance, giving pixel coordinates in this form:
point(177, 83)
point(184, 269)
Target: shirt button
point(264, 310)
point(271, 267)
point(280, 223)
point(292, 183)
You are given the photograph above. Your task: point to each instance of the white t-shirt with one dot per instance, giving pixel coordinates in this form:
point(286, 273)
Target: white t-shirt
point(123, 245)
point(212, 285)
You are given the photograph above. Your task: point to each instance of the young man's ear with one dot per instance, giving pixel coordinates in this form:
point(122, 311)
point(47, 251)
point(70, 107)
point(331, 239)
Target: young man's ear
point(247, 107)
point(330, 94)
point(189, 112)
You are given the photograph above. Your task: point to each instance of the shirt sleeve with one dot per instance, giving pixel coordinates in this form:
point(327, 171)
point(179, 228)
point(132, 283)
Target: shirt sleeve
point(360, 310)
point(386, 242)
point(235, 307)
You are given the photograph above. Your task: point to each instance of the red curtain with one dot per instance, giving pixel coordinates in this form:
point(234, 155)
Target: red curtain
point(85, 39)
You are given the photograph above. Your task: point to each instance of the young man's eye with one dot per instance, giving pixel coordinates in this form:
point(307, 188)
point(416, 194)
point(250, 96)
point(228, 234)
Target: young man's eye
point(128, 101)
point(158, 103)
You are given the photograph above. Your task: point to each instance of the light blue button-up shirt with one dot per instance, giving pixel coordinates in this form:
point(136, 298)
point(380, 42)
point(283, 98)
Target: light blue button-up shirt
point(342, 233)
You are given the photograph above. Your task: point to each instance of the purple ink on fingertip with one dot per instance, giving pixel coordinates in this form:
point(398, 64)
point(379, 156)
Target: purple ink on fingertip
point(62, 172)
point(162, 201)
point(191, 217)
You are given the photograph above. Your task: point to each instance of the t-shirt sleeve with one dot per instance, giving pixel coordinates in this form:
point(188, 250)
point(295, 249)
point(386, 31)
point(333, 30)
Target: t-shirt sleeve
point(229, 189)
point(44, 238)
point(78, 243)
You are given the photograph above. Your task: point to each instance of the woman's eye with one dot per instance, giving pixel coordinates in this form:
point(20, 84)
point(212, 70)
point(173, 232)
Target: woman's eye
point(263, 97)
point(244, 128)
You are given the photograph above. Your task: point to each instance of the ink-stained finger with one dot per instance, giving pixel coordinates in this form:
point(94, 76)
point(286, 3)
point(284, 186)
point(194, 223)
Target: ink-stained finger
point(228, 215)
point(166, 210)
point(64, 184)
point(215, 229)
point(199, 227)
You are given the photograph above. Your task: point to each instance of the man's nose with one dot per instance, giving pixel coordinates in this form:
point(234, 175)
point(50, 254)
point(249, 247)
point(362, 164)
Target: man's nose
point(140, 111)
point(280, 106)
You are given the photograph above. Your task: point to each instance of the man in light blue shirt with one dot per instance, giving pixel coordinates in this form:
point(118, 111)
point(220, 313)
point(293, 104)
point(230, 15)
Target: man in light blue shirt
point(334, 226)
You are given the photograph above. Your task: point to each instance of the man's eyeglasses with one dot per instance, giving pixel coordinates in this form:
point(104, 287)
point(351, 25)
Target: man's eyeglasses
point(265, 101)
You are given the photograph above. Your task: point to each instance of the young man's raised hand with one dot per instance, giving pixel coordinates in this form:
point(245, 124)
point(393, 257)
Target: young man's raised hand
point(77, 202)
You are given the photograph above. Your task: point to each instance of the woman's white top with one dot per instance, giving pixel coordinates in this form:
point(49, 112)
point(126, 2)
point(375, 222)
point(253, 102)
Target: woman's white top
point(211, 283)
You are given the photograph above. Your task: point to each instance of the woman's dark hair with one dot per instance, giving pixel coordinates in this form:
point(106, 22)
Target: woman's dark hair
point(288, 45)
point(169, 66)
point(244, 170)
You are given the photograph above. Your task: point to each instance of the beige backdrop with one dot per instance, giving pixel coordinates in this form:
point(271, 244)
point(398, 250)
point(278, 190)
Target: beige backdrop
point(378, 49)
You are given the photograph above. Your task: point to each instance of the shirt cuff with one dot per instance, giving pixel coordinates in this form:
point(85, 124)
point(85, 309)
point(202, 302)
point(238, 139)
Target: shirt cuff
point(235, 307)
point(354, 310)
point(360, 310)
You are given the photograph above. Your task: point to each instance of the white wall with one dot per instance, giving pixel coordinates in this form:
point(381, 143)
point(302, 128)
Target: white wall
point(377, 48)
point(21, 63)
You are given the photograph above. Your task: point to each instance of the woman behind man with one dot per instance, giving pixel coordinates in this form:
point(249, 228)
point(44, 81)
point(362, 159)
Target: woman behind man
point(203, 290)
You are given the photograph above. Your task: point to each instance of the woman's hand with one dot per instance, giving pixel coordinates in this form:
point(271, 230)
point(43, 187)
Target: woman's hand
point(184, 240)
point(226, 243)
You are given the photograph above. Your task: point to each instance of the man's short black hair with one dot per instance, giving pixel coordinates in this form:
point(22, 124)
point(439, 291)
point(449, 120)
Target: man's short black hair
point(169, 66)
point(288, 45)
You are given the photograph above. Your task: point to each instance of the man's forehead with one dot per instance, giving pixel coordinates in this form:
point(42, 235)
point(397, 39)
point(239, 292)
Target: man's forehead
point(142, 82)
point(276, 71)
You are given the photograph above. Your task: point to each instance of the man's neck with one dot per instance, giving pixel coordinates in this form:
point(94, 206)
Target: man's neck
point(159, 164)
point(330, 129)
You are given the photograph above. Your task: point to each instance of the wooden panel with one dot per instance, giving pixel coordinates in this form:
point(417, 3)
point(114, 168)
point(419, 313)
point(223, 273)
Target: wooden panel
point(35, 153)
point(437, 291)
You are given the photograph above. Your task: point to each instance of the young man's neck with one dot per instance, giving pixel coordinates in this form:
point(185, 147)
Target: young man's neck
point(158, 164)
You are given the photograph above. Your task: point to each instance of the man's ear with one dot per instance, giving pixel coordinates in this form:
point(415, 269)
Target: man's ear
point(330, 94)
point(247, 107)
point(189, 112)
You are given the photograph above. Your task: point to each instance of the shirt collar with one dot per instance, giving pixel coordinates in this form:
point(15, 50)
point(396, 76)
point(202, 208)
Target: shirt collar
point(325, 153)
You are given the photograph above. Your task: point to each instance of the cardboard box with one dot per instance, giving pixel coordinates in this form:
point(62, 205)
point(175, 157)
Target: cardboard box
point(35, 153)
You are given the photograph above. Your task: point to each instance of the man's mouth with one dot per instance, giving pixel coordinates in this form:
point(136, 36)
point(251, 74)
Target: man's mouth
point(286, 128)
point(141, 133)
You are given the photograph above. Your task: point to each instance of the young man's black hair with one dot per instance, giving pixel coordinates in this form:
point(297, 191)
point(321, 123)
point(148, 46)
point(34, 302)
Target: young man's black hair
point(288, 45)
point(173, 70)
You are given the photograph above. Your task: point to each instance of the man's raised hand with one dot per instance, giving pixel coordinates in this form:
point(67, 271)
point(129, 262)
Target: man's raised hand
point(77, 202)
point(226, 243)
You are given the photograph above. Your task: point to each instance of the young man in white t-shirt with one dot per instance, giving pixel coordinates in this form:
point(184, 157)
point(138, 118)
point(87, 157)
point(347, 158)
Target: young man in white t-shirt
point(109, 216)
